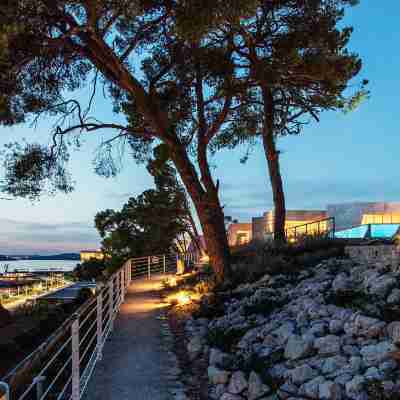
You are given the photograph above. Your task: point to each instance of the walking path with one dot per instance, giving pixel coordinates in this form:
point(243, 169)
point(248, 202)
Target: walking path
point(134, 362)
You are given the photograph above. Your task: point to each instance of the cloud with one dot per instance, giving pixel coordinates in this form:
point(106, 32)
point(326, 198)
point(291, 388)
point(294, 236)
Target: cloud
point(17, 237)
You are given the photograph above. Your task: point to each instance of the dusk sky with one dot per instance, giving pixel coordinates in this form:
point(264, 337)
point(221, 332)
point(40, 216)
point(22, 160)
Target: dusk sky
point(343, 158)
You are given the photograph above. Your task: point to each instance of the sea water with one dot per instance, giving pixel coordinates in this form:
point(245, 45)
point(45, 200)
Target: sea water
point(37, 265)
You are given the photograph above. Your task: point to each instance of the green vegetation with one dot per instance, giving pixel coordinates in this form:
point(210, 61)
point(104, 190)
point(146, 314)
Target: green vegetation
point(183, 89)
point(156, 222)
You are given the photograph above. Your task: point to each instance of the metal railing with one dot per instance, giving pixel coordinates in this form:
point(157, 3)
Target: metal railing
point(320, 228)
point(60, 368)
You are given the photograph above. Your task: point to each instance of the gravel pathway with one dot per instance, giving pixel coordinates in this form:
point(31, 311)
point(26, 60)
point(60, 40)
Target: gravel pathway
point(136, 363)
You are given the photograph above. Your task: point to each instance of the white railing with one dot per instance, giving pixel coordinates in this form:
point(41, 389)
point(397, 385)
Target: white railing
point(62, 366)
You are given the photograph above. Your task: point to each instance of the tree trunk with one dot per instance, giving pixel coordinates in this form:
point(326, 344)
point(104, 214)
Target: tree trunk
point(272, 155)
point(209, 211)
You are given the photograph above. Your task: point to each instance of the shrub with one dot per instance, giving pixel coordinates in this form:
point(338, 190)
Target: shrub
point(5, 317)
point(253, 261)
point(89, 270)
point(225, 339)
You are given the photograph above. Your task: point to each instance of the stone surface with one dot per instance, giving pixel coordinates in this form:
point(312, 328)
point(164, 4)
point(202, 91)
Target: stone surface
point(302, 374)
point(217, 376)
point(256, 388)
point(393, 330)
point(331, 391)
point(328, 344)
point(296, 348)
point(237, 383)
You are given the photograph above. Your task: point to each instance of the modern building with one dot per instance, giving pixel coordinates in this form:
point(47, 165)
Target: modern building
point(263, 227)
point(87, 255)
point(360, 213)
point(239, 234)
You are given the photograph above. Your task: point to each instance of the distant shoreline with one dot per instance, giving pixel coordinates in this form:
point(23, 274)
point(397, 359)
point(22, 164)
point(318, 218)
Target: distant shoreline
point(52, 257)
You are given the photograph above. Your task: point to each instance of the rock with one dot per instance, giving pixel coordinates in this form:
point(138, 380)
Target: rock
point(218, 376)
point(296, 348)
point(229, 396)
point(373, 373)
point(311, 388)
point(394, 297)
point(319, 329)
point(333, 364)
point(343, 379)
point(328, 344)
point(330, 391)
point(351, 350)
point(336, 326)
point(355, 387)
point(218, 358)
point(218, 391)
point(238, 383)
point(195, 346)
point(342, 283)
point(256, 387)
point(377, 353)
point(393, 330)
point(283, 333)
point(387, 367)
point(382, 285)
point(287, 390)
point(302, 374)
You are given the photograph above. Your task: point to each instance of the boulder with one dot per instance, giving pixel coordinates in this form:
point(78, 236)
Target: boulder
point(394, 297)
point(256, 387)
point(331, 391)
point(195, 346)
point(302, 374)
point(355, 387)
point(311, 388)
point(333, 364)
point(218, 376)
point(230, 396)
point(375, 354)
point(381, 285)
point(328, 344)
point(393, 330)
point(238, 383)
point(297, 347)
point(336, 326)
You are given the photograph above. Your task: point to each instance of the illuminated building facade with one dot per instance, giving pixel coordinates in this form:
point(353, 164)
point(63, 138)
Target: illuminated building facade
point(87, 255)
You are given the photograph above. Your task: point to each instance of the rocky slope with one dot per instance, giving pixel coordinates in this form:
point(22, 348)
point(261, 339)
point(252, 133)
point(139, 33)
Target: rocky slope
point(330, 332)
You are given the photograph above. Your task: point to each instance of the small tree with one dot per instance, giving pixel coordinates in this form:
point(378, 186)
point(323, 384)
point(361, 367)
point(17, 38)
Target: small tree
point(152, 223)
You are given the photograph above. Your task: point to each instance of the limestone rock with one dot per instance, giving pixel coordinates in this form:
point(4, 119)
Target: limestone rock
point(218, 376)
point(393, 330)
point(296, 348)
point(394, 297)
point(328, 344)
point(355, 387)
point(238, 383)
point(376, 353)
point(330, 391)
point(302, 374)
point(256, 387)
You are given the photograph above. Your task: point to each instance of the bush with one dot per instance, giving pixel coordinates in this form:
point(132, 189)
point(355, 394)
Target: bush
point(5, 317)
point(225, 339)
point(253, 261)
point(89, 270)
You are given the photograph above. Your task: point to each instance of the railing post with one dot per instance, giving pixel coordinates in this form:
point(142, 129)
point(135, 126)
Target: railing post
point(99, 314)
point(75, 359)
point(111, 305)
point(38, 381)
point(164, 265)
point(4, 391)
point(122, 285)
point(149, 267)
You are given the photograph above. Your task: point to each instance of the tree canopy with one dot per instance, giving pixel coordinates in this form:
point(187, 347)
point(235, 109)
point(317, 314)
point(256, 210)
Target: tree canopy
point(186, 75)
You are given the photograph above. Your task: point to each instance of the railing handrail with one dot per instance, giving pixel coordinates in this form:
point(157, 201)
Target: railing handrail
point(106, 303)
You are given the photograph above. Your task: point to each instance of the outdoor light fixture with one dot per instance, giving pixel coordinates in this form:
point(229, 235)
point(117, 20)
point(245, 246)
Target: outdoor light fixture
point(183, 298)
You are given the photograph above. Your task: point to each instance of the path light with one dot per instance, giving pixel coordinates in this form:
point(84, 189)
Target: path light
point(183, 298)
point(172, 282)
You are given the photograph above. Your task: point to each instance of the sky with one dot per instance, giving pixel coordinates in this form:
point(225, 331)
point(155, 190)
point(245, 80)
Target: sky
point(346, 157)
